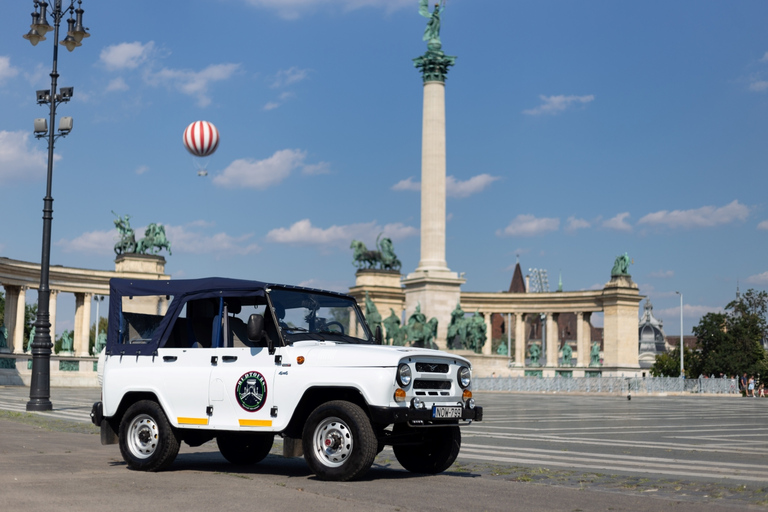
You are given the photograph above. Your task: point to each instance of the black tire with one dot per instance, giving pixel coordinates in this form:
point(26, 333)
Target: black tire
point(147, 440)
point(433, 451)
point(244, 448)
point(338, 441)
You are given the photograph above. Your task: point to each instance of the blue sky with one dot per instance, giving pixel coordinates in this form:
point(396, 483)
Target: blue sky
point(576, 131)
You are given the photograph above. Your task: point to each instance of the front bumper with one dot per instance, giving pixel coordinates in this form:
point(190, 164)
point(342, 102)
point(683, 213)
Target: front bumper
point(389, 415)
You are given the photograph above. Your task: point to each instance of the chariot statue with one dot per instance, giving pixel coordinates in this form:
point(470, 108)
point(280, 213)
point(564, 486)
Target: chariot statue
point(383, 257)
point(154, 240)
point(127, 242)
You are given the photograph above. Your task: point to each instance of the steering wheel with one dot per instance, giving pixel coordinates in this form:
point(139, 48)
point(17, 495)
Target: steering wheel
point(337, 324)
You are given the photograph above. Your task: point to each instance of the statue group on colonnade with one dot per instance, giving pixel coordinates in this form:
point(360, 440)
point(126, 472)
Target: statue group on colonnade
point(153, 242)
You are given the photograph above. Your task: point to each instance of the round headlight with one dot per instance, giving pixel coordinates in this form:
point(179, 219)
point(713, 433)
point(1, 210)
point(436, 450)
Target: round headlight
point(464, 377)
point(404, 375)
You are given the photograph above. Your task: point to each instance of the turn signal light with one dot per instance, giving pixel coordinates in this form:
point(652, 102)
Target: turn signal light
point(399, 395)
point(467, 394)
point(300, 359)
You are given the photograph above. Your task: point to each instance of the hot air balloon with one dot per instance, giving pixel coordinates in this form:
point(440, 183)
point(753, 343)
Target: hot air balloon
point(201, 139)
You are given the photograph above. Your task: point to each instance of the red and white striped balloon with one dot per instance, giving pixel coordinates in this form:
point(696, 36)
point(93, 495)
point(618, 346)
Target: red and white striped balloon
point(201, 138)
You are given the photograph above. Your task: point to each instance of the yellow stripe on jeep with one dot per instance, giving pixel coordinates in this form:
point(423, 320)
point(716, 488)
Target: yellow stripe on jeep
point(255, 423)
point(192, 421)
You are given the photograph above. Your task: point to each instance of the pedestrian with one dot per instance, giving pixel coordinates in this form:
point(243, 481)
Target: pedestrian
point(743, 384)
point(751, 386)
point(761, 390)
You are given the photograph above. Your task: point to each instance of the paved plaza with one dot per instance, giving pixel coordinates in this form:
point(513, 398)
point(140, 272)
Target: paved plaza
point(643, 454)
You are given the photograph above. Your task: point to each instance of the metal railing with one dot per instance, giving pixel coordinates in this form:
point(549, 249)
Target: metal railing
point(609, 385)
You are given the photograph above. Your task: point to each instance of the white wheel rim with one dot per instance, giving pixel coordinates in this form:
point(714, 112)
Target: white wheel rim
point(332, 442)
point(142, 436)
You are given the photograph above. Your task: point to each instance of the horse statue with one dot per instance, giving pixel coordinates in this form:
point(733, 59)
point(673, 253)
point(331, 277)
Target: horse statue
point(383, 257)
point(362, 257)
point(389, 259)
point(127, 242)
point(154, 240)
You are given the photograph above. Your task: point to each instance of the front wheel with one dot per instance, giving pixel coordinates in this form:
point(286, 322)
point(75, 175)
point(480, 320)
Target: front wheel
point(147, 441)
point(433, 451)
point(244, 448)
point(339, 442)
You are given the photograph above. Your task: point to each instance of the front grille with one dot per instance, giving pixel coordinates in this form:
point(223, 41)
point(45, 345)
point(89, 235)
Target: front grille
point(431, 384)
point(431, 368)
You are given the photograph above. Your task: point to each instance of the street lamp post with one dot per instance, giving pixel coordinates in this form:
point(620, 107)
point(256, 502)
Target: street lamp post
point(682, 346)
point(40, 387)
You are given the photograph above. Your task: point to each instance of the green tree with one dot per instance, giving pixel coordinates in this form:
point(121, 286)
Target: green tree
point(732, 342)
point(668, 363)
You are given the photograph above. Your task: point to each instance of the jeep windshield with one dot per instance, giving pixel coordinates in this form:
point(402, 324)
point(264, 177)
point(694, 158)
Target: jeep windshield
point(306, 315)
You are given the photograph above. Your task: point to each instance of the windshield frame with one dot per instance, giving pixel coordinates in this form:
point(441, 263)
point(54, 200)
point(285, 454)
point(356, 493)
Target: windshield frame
point(285, 299)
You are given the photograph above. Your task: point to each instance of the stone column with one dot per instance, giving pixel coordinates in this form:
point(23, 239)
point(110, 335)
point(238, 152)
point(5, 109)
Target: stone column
point(552, 344)
point(621, 301)
point(18, 328)
point(581, 344)
point(488, 346)
point(52, 312)
point(82, 323)
point(519, 339)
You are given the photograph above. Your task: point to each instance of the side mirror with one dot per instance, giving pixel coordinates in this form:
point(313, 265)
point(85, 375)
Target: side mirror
point(378, 338)
point(255, 329)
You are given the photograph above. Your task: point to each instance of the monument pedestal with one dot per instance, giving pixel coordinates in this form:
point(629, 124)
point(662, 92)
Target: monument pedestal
point(437, 292)
point(383, 287)
point(621, 299)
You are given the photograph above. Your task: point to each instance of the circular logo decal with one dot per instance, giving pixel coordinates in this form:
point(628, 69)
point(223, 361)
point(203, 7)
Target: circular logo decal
point(251, 391)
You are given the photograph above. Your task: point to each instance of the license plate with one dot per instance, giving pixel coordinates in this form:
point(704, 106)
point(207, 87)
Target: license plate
point(444, 412)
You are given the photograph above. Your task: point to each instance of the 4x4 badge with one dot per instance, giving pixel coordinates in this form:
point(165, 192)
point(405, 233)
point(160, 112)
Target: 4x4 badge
point(251, 391)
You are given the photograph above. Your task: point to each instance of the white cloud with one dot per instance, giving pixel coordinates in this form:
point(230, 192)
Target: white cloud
point(662, 274)
point(19, 160)
point(556, 104)
point(6, 70)
point(763, 225)
point(293, 9)
point(574, 224)
point(304, 233)
point(261, 174)
point(116, 85)
point(271, 105)
point(286, 77)
point(93, 242)
point(407, 184)
point(758, 279)
point(704, 217)
point(764, 58)
point(193, 83)
point(528, 225)
point(190, 239)
point(318, 168)
point(618, 222)
point(142, 169)
point(689, 310)
point(126, 55)
point(758, 85)
point(475, 184)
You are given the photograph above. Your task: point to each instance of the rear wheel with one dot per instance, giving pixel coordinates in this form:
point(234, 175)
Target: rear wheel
point(244, 448)
point(432, 451)
point(339, 442)
point(147, 440)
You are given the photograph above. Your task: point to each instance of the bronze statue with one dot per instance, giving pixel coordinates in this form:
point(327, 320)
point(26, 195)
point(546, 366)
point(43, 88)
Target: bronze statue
point(567, 354)
point(594, 359)
point(66, 341)
point(476, 333)
point(535, 351)
point(394, 335)
point(457, 329)
point(154, 240)
point(372, 315)
point(621, 266)
point(4, 336)
point(383, 257)
point(432, 32)
point(127, 243)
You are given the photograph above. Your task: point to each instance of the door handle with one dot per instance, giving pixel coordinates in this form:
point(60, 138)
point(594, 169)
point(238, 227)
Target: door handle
point(229, 359)
point(169, 359)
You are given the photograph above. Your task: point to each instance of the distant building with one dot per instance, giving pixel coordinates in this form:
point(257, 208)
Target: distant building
point(651, 337)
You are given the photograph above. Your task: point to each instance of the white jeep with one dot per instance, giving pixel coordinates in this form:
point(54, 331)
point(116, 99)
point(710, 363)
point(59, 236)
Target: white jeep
point(241, 361)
